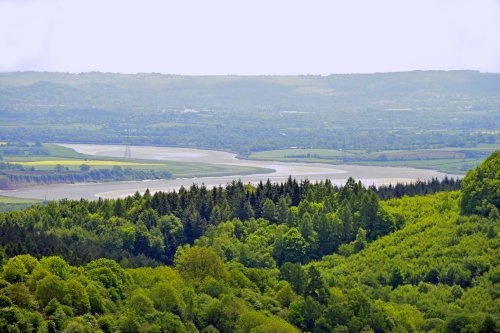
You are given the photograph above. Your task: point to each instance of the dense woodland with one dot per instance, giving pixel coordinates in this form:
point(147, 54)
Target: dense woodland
point(285, 257)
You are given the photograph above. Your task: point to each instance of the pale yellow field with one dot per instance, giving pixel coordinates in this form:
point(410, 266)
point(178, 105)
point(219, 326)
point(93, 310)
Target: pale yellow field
point(80, 162)
point(2, 143)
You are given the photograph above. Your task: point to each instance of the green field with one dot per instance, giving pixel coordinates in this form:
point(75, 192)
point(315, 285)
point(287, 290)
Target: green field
point(71, 160)
point(10, 203)
point(300, 154)
point(13, 200)
point(443, 165)
point(448, 159)
point(96, 163)
point(189, 170)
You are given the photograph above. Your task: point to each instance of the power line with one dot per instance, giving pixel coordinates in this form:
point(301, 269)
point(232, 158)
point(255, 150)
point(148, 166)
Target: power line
point(128, 153)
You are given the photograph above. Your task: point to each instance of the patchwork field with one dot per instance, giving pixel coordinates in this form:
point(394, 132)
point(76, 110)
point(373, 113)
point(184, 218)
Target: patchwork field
point(71, 160)
point(451, 159)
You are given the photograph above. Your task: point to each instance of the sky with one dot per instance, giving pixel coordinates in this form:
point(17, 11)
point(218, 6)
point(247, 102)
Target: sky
point(217, 37)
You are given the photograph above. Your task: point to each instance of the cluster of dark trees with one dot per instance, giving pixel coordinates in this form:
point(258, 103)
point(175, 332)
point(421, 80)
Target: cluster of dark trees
point(11, 166)
point(22, 149)
point(14, 177)
point(420, 187)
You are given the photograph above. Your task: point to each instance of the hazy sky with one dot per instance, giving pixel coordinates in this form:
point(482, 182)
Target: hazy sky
point(249, 37)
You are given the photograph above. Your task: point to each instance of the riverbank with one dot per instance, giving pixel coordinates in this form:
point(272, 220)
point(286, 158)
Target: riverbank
point(368, 175)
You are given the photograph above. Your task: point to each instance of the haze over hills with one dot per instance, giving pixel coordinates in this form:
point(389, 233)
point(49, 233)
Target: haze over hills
point(257, 203)
point(116, 91)
point(421, 109)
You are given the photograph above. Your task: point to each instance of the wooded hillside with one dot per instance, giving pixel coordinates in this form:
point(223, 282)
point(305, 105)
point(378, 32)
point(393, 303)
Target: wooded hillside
point(272, 258)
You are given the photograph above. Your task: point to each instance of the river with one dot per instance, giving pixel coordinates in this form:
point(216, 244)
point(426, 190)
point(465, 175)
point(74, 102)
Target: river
point(338, 174)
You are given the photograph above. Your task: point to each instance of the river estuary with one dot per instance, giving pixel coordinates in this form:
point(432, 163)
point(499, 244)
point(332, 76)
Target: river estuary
point(338, 174)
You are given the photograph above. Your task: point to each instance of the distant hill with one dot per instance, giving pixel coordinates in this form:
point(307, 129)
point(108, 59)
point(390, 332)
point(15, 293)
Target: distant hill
point(115, 91)
point(420, 109)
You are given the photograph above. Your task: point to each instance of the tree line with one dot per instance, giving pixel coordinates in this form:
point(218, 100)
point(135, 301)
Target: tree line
point(316, 219)
point(420, 187)
point(15, 175)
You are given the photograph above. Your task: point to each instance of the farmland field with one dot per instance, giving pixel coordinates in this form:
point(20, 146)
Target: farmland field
point(299, 154)
point(79, 162)
point(71, 160)
point(10, 200)
point(207, 161)
point(448, 159)
point(12, 203)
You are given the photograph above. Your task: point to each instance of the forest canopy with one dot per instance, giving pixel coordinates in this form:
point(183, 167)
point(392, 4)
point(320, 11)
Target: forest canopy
point(290, 257)
point(481, 188)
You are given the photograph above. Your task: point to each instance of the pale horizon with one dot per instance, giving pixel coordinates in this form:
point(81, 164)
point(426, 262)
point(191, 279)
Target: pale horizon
point(224, 37)
point(250, 75)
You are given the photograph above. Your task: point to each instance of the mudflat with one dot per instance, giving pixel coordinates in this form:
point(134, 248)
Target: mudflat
point(368, 175)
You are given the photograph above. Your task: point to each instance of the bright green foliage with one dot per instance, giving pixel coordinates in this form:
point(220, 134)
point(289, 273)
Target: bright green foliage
point(166, 298)
point(14, 270)
point(96, 294)
point(128, 323)
point(147, 230)
point(196, 263)
point(56, 266)
point(285, 295)
point(50, 287)
point(253, 321)
point(305, 312)
point(79, 297)
point(360, 242)
point(269, 211)
point(294, 247)
point(341, 262)
point(420, 275)
point(141, 303)
point(30, 262)
point(20, 295)
point(481, 188)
